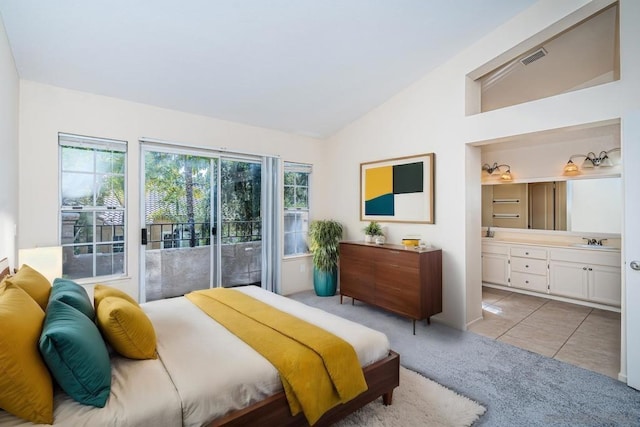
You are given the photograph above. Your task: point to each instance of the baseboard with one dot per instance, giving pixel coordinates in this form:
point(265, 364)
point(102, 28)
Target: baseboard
point(553, 297)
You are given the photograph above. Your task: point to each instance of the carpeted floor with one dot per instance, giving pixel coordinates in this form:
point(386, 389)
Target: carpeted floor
point(418, 401)
point(518, 388)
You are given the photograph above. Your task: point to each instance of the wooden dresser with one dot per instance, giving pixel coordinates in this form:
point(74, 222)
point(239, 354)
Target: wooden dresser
point(406, 281)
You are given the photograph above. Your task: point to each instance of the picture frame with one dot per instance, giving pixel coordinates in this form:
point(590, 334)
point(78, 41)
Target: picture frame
point(400, 189)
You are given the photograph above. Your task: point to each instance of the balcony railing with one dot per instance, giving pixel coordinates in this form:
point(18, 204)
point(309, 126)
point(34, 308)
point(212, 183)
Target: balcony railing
point(189, 235)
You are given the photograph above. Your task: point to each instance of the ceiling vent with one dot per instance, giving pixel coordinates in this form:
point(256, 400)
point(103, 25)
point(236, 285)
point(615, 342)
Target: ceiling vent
point(534, 56)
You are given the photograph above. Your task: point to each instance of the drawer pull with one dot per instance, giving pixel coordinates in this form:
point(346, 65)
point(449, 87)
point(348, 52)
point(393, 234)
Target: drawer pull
point(527, 266)
point(584, 268)
point(394, 252)
point(526, 253)
point(526, 281)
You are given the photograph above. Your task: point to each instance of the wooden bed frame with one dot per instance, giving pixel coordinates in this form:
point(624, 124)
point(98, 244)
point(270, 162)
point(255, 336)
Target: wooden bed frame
point(382, 377)
point(4, 268)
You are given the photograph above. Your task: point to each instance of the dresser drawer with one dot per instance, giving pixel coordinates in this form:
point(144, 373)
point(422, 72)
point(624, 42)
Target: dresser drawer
point(405, 278)
point(399, 257)
point(528, 265)
point(532, 282)
point(527, 252)
point(356, 278)
point(397, 299)
point(356, 251)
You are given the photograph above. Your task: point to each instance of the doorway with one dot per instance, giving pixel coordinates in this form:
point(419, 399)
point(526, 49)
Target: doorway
point(202, 221)
point(562, 220)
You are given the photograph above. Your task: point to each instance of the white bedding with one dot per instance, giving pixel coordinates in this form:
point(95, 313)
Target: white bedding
point(142, 394)
point(203, 370)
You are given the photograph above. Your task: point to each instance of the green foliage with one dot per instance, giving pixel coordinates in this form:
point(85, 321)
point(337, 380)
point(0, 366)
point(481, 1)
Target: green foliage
point(182, 184)
point(296, 190)
point(240, 190)
point(373, 229)
point(324, 236)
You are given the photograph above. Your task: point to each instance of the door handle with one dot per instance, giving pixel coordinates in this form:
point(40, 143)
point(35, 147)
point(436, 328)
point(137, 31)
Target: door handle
point(635, 265)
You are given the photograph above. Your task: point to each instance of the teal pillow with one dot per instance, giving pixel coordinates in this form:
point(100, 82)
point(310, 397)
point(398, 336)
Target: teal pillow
point(70, 293)
point(76, 355)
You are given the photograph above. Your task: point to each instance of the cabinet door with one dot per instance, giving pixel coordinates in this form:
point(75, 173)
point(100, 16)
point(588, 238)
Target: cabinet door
point(356, 277)
point(495, 269)
point(568, 279)
point(398, 289)
point(605, 284)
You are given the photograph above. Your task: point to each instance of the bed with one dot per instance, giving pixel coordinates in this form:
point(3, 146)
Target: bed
point(206, 376)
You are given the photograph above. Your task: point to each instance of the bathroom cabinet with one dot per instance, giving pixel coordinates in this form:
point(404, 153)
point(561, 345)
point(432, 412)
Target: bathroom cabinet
point(495, 264)
point(529, 269)
point(593, 276)
point(580, 274)
point(392, 277)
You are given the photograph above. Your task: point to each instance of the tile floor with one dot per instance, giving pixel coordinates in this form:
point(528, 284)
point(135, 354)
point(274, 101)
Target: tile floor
point(583, 336)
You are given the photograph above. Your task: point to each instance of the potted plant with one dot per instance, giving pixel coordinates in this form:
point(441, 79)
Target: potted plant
point(324, 236)
point(371, 231)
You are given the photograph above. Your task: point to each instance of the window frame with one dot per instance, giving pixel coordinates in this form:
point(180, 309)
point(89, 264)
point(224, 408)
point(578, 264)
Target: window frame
point(296, 167)
point(96, 145)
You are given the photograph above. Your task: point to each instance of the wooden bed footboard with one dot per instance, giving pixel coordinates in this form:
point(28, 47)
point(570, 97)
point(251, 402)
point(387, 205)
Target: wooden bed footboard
point(382, 377)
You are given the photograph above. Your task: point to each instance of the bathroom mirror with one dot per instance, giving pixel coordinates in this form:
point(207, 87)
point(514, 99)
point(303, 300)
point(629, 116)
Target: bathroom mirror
point(580, 205)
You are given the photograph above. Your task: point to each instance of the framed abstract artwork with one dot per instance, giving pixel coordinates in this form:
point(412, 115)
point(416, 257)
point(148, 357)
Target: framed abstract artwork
point(398, 190)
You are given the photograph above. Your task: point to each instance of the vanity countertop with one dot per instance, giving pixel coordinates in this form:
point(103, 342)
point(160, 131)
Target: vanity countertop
point(559, 244)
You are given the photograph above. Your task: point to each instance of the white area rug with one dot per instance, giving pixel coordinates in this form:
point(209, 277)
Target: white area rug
point(418, 401)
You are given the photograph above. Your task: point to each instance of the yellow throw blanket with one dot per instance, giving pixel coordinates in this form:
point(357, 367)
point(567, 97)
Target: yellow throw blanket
point(318, 369)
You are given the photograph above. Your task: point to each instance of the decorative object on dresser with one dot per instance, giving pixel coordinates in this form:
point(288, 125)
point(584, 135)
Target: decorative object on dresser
point(371, 231)
point(404, 281)
point(398, 190)
point(324, 236)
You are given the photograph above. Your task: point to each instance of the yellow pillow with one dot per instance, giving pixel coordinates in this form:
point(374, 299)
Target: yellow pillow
point(33, 283)
point(25, 384)
point(126, 328)
point(102, 291)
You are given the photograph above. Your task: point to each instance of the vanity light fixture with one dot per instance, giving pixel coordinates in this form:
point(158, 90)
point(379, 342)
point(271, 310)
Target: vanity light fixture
point(505, 176)
point(591, 160)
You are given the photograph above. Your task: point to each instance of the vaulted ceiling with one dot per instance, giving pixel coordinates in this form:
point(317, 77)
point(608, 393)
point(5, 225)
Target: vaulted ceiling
point(303, 66)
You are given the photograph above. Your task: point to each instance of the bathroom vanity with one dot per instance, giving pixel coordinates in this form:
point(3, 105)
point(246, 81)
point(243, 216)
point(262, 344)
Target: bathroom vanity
point(551, 239)
point(575, 272)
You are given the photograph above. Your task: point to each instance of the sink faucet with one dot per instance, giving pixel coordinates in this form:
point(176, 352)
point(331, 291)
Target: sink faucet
point(594, 242)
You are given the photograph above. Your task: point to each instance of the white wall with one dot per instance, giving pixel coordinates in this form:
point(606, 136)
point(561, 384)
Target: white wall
point(9, 97)
point(542, 156)
point(46, 110)
point(430, 116)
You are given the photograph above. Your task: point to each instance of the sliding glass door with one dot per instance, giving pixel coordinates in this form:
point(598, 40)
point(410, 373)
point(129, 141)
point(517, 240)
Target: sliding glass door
point(241, 228)
point(202, 221)
point(179, 217)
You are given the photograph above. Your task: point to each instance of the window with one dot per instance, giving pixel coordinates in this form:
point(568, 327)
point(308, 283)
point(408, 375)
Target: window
point(92, 206)
point(296, 208)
